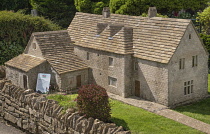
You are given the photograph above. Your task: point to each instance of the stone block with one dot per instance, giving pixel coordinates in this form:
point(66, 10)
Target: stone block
point(11, 109)
point(24, 110)
point(47, 118)
point(7, 101)
point(10, 118)
point(19, 122)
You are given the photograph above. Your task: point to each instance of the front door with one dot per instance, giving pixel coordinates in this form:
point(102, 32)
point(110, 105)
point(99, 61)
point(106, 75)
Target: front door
point(25, 81)
point(78, 80)
point(137, 88)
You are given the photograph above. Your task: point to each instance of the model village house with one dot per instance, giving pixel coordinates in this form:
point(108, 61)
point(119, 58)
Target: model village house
point(157, 59)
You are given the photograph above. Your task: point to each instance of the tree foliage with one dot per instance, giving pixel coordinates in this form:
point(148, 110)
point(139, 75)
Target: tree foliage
point(137, 7)
point(9, 50)
point(204, 18)
point(59, 11)
point(15, 31)
point(15, 5)
point(93, 101)
point(91, 6)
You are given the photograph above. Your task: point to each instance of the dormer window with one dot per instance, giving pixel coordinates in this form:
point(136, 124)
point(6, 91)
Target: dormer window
point(34, 45)
point(110, 38)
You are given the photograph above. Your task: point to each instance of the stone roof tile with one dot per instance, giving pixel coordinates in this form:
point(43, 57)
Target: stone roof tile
point(25, 62)
point(57, 48)
point(150, 39)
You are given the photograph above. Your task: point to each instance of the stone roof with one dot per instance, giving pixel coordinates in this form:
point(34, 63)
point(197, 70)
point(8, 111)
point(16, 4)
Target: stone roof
point(25, 62)
point(154, 39)
point(57, 48)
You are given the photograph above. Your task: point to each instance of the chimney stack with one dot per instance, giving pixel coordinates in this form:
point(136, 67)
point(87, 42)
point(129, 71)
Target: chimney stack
point(106, 12)
point(152, 12)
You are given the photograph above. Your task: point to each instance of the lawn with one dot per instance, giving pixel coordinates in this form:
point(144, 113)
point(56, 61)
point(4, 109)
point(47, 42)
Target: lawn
point(141, 121)
point(66, 101)
point(134, 119)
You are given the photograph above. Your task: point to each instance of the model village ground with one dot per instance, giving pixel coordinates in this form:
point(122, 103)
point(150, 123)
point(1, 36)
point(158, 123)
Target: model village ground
point(154, 69)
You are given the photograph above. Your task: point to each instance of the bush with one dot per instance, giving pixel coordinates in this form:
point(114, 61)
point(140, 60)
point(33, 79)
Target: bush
point(93, 101)
point(59, 11)
point(17, 27)
point(9, 50)
point(15, 31)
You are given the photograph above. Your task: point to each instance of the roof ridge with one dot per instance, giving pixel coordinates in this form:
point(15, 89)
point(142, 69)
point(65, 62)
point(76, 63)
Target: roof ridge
point(50, 32)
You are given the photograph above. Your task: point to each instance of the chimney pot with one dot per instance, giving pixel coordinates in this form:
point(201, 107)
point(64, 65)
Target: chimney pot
point(106, 12)
point(152, 12)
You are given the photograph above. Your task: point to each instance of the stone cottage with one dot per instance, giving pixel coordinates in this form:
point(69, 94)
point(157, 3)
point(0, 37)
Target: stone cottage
point(48, 52)
point(157, 59)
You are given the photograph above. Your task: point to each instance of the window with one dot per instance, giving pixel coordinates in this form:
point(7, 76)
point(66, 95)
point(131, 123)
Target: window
point(188, 87)
point(135, 65)
point(190, 36)
point(111, 61)
point(112, 81)
point(194, 61)
point(34, 45)
point(88, 56)
point(181, 63)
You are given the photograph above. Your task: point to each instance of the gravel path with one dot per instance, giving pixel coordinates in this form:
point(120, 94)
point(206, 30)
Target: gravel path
point(8, 129)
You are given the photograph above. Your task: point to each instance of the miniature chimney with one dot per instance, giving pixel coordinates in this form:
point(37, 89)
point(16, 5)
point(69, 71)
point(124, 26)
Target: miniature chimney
point(152, 12)
point(106, 12)
point(34, 12)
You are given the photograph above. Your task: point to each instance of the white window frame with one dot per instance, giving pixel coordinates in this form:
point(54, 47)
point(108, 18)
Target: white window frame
point(112, 81)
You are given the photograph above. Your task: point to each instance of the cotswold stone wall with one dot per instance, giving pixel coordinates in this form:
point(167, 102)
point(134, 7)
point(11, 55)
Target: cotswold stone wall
point(36, 114)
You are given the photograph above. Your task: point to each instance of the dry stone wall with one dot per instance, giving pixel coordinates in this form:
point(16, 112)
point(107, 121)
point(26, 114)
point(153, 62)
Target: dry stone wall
point(36, 114)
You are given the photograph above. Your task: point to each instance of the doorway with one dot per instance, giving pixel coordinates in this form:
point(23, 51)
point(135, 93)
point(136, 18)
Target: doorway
point(137, 88)
point(25, 82)
point(78, 80)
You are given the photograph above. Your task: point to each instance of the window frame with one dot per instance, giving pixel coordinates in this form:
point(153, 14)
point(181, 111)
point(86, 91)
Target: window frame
point(88, 56)
point(34, 46)
point(112, 81)
point(111, 64)
point(195, 61)
point(188, 87)
point(136, 65)
point(181, 63)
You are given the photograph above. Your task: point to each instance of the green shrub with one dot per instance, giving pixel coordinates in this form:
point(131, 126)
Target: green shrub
point(15, 31)
point(59, 11)
point(17, 27)
point(9, 50)
point(93, 101)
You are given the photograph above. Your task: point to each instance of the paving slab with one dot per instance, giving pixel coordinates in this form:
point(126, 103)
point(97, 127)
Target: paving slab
point(163, 111)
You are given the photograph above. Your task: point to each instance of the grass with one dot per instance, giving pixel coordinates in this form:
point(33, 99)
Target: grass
point(134, 119)
point(66, 101)
point(141, 121)
point(199, 110)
